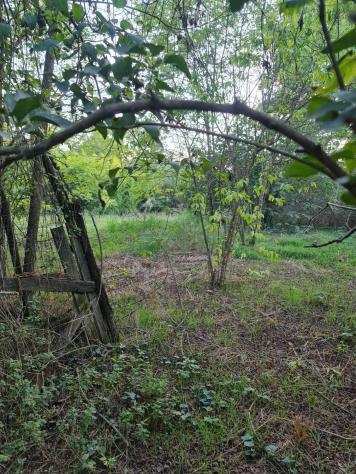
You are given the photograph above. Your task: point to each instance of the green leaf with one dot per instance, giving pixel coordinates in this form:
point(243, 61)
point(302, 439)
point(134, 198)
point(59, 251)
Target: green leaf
point(29, 20)
point(289, 6)
point(126, 25)
point(58, 6)
point(119, 3)
point(155, 49)
point(348, 155)
point(48, 44)
point(77, 91)
point(113, 172)
point(90, 70)
point(179, 62)
point(119, 134)
point(318, 104)
point(348, 198)
point(111, 189)
point(102, 129)
point(5, 30)
point(271, 449)
point(153, 133)
point(206, 165)
point(102, 196)
point(346, 41)
point(347, 68)
point(162, 85)
point(89, 50)
point(237, 5)
point(131, 43)
point(248, 440)
point(49, 117)
point(78, 12)
point(21, 103)
point(126, 121)
point(302, 170)
point(122, 67)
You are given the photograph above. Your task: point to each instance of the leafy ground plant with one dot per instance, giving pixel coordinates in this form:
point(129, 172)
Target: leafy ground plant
point(255, 377)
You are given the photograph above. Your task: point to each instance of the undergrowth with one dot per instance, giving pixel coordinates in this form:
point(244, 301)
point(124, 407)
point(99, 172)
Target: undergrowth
point(255, 377)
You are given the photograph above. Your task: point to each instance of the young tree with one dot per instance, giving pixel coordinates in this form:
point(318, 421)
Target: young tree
point(108, 78)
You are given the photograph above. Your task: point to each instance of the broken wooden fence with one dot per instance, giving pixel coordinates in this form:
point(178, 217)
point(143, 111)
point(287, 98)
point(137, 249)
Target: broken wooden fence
point(80, 273)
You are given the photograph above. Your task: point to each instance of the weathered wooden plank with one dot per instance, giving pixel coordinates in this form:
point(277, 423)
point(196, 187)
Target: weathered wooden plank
point(64, 251)
point(88, 261)
point(100, 327)
point(103, 313)
point(46, 283)
point(2, 249)
point(81, 302)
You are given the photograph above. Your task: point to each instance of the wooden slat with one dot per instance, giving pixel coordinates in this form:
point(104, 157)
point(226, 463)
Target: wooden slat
point(46, 283)
point(81, 302)
point(90, 269)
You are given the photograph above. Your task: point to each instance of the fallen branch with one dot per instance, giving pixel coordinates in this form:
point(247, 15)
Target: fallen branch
point(337, 435)
point(334, 241)
point(340, 206)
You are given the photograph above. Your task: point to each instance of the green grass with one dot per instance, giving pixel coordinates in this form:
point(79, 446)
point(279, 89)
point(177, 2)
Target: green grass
point(155, 234)
point(274, 247)
point(145, 236)
point(254, 377)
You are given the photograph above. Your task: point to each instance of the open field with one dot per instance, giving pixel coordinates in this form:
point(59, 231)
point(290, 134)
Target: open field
point(253, 378)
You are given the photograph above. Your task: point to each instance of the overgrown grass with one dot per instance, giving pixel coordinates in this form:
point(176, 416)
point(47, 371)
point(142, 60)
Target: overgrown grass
point(274, 247)
point(152, 234)
point(146, 235)
point(255, 377)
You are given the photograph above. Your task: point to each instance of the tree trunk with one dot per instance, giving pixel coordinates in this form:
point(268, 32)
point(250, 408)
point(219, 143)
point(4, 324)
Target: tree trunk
point(34, 214)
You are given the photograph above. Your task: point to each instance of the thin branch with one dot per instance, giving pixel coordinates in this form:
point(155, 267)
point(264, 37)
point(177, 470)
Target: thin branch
point(155, 104)
point(226, 136)
point(334, 241)
point(321, 211)
point(340, 206)
point(329, 47)
point(337, 435)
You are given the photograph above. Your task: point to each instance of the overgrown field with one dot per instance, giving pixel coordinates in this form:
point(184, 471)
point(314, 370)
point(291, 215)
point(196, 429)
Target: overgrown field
point(252, 378)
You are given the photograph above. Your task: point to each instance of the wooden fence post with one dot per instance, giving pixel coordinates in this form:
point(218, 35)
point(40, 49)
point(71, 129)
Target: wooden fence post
point(9, 231)
point(70, 268)
point(103, 314)
point(91, 271)
point(2, 248)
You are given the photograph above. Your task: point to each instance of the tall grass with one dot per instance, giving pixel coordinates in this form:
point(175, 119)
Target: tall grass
point(153, 234)
point(146, 235)
point(274, 247)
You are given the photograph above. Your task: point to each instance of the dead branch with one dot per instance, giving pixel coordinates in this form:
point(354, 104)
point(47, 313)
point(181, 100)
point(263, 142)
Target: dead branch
point(334, 241)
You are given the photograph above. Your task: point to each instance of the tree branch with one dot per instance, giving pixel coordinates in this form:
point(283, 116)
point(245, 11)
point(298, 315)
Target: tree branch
point(14, 154)
point(334, 241)
point(226, 136)
point(334, 62)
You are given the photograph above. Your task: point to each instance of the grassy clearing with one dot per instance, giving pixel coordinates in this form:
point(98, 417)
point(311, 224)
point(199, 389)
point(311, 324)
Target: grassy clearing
point(150, 235)
point(276, 247)
point(252, 378)
point(146, 235)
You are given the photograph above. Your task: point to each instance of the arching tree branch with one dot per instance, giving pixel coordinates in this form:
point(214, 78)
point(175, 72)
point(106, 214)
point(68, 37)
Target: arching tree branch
point(14, 154)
